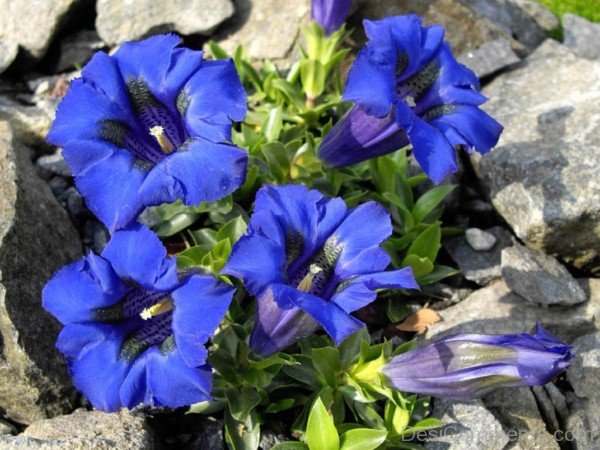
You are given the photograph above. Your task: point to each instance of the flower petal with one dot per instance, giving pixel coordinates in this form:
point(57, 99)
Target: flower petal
point(81, 112)
point(136, 253)
point(204, 172)
point(215, 97)
point(92, 352)
point(110, 181)
point(361, 290)
point(366, 226)
point(200, 304)
point(77, 289)
point(337, 323)
point(431, 149)
point(478, 128)
point(256, 260)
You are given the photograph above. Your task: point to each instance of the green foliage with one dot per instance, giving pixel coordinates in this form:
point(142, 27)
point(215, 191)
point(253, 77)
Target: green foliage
point(337, 398)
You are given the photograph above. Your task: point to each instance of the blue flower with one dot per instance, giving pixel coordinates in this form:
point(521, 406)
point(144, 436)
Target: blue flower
point(466, 366)
point(133, 332)
point(311, 261)
point(407, 88)
point(151, 125)
point(330, 14)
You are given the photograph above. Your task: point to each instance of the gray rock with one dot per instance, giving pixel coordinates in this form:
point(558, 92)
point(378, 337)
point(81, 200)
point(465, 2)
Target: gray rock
point(466, 29)
point(496, 310)
point(584, 371)
point(479, 240)
point(518, 412)
point(37, 238)
point(95, 236)
point(8, 53)
point(528, 21)
point(531, 21)
point(54, 163)
point(119, 21)
point(6, 428)
point(269, 439)
point(58, 185)
point(32, 25)
point(558, 400)
point(581, 36)
point(539, 278)
point(207, 433)
point(78, 49)
point(85, 430)
point(582, 427)
point(546, 406)
point(490, 57)
point(479, 266)
point(30, 123)
point(542, 177)
point(468, 425)
point(267, 29)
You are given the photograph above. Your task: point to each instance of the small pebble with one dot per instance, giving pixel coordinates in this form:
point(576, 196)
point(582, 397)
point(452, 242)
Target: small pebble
point(479, 240)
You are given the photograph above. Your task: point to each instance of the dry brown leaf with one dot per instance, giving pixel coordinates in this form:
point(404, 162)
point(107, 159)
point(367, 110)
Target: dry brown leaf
point(419, 321)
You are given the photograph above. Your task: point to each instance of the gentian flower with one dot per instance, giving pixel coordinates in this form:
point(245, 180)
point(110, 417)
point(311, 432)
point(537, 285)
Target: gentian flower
point(466, 366)
point(310, 261)
point(407, 88)
point(150, 125)
point(133, 332)
point(330, 14)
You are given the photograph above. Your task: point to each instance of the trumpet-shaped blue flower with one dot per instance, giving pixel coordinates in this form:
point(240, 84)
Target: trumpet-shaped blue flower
point(133, 332)
point(310, 261)
point(407, 88)
point(330, 14)
point(150, 125)
point(466, 366)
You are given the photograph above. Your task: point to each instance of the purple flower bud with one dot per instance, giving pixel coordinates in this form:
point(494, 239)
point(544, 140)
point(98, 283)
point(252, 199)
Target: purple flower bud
point(466, 366)
point(330, 14)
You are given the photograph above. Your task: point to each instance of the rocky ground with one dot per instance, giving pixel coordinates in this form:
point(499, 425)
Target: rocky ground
point(531, 209)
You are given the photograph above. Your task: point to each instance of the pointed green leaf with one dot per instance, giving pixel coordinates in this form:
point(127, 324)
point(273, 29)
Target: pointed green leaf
point(320, 430)
point(362, 439)
point(430, 200)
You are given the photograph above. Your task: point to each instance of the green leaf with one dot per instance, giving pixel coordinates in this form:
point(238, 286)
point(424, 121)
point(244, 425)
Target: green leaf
point(420, 266)
point(427, 244)
point(192, 256)
point(217, 51)
point(423, 425)
point(281, 405)
point(175, 224)
point(326, 361)
point(278, 160)
point(305, 372)
point(362, 439)
point(438, 273)
point(397, 310)
point(274, 124)
point(290, 445)
point(320, 430)
point(241, 402)
point(396, 418)
point(383, 172)
point(369, 415)
point(349, 349)
point(242, 435)
point(232, 230)
point(430, 200)
point(313, 75)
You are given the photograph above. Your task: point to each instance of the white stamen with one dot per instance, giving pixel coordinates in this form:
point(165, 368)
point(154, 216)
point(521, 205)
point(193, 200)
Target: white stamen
point(157, 309)
point(306, 284)
point(159, 134)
